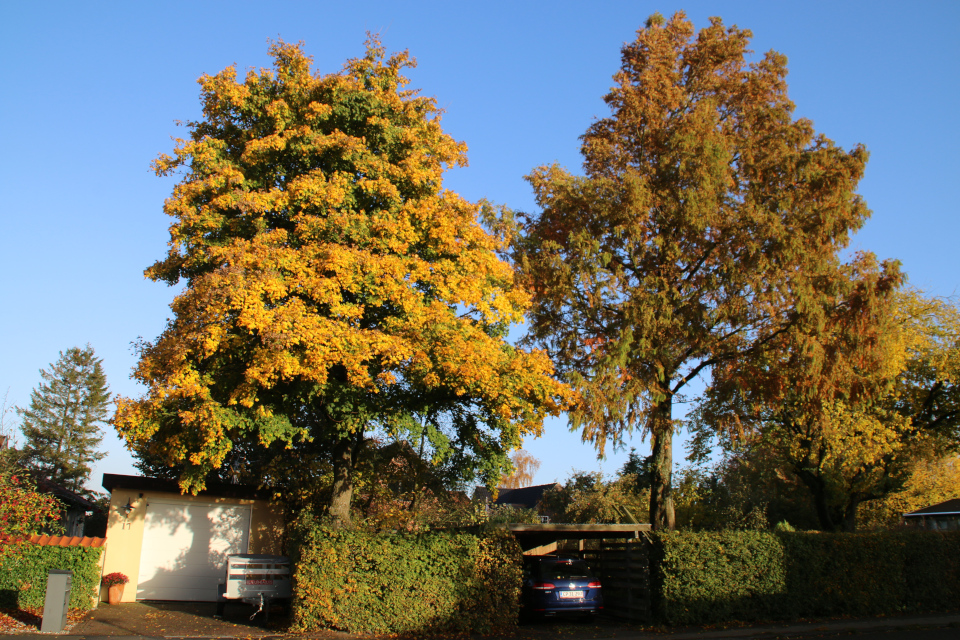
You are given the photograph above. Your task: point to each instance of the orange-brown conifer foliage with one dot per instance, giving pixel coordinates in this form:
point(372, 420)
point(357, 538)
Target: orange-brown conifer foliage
point(707, 215)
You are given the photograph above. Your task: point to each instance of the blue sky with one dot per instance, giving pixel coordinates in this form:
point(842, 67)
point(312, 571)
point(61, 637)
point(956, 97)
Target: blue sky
point(91, 93)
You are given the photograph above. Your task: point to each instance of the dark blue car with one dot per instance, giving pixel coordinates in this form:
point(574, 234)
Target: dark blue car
point(555, 585)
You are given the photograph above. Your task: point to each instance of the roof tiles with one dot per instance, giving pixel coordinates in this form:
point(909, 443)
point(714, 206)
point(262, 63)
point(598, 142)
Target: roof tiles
point(66, 541)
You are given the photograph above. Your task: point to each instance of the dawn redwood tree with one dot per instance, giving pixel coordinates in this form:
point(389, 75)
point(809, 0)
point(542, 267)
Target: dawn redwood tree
point(63, 426)
point(706, 217)
point(333, 286)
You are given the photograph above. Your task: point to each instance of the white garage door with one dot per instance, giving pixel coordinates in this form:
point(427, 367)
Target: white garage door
point(185, 547)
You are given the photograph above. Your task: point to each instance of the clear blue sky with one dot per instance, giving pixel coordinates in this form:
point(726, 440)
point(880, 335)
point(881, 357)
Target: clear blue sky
point(92, 90)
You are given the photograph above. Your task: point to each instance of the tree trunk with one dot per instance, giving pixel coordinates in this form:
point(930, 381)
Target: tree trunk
point(818, 491)
point(661, 497)
point(824, 512)
point(850, 514)
point(344, 454)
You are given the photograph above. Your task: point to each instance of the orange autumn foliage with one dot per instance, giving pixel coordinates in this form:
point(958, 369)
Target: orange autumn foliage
point(333, 286)
point(707, 216)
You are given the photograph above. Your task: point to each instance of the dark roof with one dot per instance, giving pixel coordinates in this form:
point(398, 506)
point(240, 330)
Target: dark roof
point(950, 507)
point(113, 481)
point(66, 495)
point(529, 497)
point(531, 536)
point(482, 493)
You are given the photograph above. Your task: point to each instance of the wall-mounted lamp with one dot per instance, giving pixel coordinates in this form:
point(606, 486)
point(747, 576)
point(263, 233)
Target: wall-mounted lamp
point(130, 506)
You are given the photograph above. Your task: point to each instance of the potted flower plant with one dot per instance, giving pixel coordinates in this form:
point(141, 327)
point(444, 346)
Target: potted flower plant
point(114, 583)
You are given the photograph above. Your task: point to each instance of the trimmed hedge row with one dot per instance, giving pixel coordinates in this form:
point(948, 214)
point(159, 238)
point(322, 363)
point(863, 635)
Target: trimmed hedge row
point(24, 568)
point(405, 583)
point(707, 577)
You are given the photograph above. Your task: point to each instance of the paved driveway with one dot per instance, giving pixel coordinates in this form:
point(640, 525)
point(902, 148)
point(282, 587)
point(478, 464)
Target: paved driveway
point(178, 620)
point(196, 620)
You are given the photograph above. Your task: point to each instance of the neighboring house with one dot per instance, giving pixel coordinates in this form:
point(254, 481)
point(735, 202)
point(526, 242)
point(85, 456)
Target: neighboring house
point(75, 506)
point(519, 498)
point(944, 516)
point(174, 546)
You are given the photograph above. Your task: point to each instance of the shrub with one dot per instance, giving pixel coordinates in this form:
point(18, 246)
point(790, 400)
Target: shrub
point(23, 510)
point(364, 582)
point(23, 574)
point(714, 576)
point(708, 577)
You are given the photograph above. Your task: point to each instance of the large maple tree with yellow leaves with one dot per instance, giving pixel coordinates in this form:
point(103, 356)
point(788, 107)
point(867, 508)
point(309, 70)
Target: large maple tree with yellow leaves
point(333, 287)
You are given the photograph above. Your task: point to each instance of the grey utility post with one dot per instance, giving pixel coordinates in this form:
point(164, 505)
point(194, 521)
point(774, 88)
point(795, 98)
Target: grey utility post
point(55, 606)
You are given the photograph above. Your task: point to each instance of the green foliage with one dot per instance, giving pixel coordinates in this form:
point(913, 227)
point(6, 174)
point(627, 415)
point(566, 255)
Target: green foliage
point(585, 498)
point(402, 488)
point(380, 583)
point(704, 578)
point(509, 514)
point(62, 426)
point(641, 469)
point(740, 493)
point(23, 574)
point(728, 575)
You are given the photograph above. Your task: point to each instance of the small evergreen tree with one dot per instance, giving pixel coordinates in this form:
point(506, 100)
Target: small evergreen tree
point(62, 426)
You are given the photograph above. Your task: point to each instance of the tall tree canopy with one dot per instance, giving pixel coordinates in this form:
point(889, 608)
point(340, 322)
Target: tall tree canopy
point(333, 286)
point(62, 427)
point(850, 409)
point(707, 216)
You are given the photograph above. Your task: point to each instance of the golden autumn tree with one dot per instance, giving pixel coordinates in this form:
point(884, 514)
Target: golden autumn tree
point(706, 217)
point(333, 286)
point(525, 466)
point(931, 481)
point(851, 409)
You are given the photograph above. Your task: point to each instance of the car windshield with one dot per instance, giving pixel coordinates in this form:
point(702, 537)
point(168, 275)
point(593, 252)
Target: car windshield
point(575, 570)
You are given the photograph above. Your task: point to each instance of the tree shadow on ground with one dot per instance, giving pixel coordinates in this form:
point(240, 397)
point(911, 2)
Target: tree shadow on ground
point(152, 618)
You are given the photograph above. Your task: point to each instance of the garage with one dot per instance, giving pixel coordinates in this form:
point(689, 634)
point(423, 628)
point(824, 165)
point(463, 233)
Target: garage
point(185, 548)
point(174, 546)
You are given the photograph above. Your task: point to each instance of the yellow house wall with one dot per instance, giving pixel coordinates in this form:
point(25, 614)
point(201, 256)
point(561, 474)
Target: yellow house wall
point(125, 532)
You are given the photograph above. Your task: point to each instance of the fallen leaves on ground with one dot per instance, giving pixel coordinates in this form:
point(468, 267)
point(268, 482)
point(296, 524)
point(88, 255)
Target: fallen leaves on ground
point(29, 619)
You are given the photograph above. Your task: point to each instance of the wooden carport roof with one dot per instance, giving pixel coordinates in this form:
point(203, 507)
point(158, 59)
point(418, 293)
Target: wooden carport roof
point(540, 536)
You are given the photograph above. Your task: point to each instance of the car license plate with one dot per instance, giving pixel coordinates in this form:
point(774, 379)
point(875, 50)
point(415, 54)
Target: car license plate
point(571, 594)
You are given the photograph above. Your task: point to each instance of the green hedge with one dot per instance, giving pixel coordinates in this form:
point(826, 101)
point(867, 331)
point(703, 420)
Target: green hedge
point(705, 577)
point(701, 578)
point(24, 568)
point(405, 583)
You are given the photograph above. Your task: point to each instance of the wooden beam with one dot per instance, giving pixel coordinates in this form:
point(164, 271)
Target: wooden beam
point(541, 550)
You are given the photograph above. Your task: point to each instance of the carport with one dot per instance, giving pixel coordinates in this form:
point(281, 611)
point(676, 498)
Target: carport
point(621, 559)
point(542, 539)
